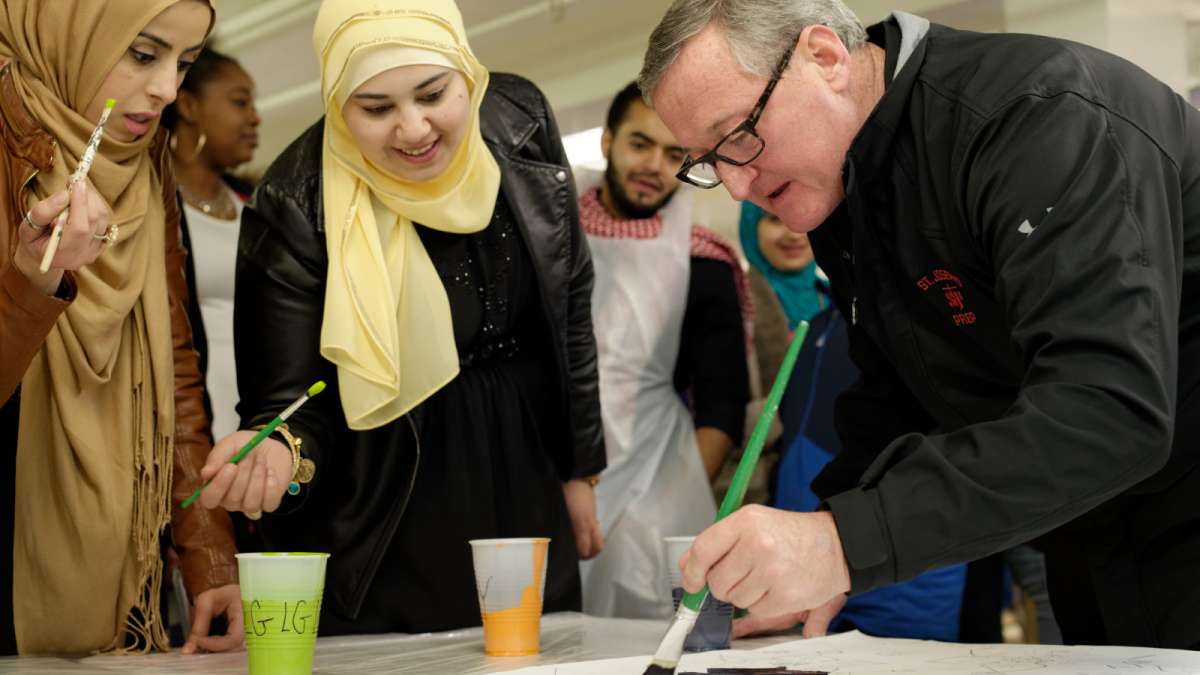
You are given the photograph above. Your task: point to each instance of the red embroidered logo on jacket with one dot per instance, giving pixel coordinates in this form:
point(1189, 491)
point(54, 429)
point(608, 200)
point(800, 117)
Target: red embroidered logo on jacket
point(952, 288)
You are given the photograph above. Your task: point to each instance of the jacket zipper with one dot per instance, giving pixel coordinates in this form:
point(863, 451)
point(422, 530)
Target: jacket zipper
point(849, 260)
point(412, 482)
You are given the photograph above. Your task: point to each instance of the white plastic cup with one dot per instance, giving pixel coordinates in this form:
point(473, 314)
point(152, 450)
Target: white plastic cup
point(281, 607)
point(510, 578)
point(676, 547)
point(715, 625)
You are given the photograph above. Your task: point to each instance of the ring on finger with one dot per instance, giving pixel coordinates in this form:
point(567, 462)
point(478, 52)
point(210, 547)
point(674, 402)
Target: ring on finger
point(30, 223)
point(109, 237)
point(254, 515)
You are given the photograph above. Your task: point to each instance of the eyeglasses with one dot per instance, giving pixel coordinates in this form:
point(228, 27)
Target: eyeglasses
point(740, 146)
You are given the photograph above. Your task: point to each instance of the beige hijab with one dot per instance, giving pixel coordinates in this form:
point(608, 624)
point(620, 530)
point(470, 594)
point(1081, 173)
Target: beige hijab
point(97, 403)
point(387, 322)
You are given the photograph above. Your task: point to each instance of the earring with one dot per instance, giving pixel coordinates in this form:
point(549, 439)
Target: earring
point(173, 143)
point(200, 145)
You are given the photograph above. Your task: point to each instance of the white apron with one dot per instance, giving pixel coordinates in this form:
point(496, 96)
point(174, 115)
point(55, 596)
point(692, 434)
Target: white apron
point(655, 485)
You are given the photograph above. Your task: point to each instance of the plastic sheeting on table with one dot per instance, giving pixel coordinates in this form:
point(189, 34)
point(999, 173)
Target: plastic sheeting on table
point(857, 654)
point(570, 638)
point(566, 638)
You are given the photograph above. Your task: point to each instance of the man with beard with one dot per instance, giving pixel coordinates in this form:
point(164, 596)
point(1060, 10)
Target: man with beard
point(669, 319)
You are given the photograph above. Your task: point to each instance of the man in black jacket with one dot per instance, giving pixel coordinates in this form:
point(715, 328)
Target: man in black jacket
point(1012, 224)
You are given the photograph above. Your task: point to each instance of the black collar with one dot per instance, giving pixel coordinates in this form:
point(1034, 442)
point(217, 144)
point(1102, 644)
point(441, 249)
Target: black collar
point(871, 149)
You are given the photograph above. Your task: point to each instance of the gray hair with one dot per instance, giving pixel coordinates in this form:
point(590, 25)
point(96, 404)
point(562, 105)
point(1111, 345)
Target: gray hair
point(759, 31)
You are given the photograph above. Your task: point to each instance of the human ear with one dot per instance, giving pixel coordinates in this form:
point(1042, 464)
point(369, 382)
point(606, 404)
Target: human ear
point(821, 46)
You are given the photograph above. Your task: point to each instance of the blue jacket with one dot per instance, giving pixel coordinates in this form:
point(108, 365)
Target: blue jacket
point(925, 607)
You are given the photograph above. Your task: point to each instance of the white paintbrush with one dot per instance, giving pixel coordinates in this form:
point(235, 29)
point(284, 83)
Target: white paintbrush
point(81, 171)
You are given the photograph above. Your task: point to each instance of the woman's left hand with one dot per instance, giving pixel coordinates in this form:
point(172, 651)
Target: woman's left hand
point(225, 600)
point(581, 504)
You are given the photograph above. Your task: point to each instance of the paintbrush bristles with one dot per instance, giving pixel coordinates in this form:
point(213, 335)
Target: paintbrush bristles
point(671, 647)
point(89, 153)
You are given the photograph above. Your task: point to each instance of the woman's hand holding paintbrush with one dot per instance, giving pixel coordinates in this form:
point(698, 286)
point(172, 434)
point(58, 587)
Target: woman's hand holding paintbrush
point(255, 484)
point(82, 235)
point(79, 217)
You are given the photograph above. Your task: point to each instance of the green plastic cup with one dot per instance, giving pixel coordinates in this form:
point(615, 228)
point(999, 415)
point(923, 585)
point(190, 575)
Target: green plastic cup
point(281, 607)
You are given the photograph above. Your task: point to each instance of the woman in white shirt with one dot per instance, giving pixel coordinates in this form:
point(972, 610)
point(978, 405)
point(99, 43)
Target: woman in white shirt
point(214, 128)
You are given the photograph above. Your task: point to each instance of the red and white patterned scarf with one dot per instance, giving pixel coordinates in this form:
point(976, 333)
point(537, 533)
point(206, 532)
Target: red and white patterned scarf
point(597, 222)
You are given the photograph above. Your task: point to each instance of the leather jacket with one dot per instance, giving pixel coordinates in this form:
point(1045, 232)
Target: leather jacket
point(204, 538)
point(279, 306)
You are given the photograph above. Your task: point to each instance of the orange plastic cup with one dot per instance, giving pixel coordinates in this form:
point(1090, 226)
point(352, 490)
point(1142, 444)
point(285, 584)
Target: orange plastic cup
point(510, 576)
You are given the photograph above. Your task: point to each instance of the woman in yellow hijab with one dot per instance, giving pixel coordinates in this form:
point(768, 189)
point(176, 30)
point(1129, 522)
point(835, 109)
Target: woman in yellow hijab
point(419, 249)
point(102, 415)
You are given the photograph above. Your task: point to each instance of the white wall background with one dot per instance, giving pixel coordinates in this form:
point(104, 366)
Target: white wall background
point(580, 52)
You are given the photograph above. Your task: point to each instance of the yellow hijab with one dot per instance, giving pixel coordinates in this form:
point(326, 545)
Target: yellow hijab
point(93, 469)
point(387, 323)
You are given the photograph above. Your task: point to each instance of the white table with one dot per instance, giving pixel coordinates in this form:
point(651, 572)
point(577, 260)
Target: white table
point(572, 638)
point(566, 637)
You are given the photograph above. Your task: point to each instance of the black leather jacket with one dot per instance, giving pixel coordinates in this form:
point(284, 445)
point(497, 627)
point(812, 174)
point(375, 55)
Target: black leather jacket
point(280, 296)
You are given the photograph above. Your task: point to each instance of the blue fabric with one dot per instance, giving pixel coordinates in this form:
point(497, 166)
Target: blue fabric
point(797, 291)
point(926, 607)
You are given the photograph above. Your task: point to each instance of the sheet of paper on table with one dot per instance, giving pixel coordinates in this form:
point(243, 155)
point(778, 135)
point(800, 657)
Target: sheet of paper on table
point(858, 654)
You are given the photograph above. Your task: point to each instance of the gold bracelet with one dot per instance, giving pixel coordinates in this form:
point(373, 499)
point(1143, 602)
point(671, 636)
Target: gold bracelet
point(591, 480)
point(303, 468)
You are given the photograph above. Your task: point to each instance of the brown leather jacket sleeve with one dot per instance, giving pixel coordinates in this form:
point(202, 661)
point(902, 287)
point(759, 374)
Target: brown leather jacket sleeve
point(26, 314)
point(26, 317)
point(203, 537)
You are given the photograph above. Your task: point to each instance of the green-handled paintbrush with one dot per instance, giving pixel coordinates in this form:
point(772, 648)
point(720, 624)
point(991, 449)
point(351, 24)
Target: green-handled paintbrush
point(671, 647)
point(262, 433)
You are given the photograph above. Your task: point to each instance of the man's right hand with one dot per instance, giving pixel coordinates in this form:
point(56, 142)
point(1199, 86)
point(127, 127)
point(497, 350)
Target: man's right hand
point(769, 561)
point(816, 621)
point(253, 485)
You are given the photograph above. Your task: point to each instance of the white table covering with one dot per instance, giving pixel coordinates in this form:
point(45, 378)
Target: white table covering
point(570, 638)
point(566, 637)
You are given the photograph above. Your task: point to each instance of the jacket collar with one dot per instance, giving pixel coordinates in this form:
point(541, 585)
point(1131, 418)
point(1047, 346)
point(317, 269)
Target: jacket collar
point(871, 150)
point(504, 124)
point(29, 142)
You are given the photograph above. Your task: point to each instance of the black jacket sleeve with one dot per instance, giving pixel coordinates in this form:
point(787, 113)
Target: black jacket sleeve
point(1090, 287)
point(877, 409)
point(712, 350)
point(587, 456)
point(279, 301)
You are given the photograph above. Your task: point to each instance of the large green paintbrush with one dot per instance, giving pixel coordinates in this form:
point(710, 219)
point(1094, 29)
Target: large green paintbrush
point(262, 433)
point(671, 647)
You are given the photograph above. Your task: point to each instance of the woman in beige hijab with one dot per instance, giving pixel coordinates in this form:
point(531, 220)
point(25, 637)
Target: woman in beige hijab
point(419, 249)
point(102, 416)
